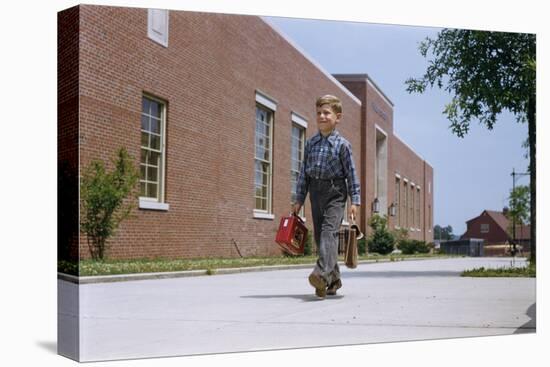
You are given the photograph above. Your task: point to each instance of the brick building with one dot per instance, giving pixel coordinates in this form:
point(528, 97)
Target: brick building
point(494, 228)
point(215, 109)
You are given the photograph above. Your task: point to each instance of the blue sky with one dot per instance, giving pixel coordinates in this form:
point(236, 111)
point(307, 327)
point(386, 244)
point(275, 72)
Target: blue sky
point(470, 174)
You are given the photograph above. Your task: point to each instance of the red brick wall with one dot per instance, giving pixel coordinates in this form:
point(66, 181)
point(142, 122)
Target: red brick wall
point(208, 76)
point(67, 133)
point(377, 112)
point(428, 202)
point(496, 234)
point(358, 88)
point(409, 166)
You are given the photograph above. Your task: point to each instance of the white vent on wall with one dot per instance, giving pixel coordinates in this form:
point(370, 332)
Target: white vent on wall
point(157, 26)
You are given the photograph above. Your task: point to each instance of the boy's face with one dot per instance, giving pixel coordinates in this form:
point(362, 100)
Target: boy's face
point(327, 119)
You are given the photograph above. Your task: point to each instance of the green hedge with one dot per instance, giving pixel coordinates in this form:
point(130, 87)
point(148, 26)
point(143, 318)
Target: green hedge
point(409, 247)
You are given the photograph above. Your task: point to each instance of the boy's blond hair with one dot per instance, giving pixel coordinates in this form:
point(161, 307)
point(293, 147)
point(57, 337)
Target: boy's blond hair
point(333, 101)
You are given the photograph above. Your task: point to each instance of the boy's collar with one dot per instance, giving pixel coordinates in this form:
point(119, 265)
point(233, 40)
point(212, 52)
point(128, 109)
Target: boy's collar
point(331, 137)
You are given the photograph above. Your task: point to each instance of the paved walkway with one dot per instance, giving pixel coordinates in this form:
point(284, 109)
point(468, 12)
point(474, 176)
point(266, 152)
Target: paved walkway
point(384, 302)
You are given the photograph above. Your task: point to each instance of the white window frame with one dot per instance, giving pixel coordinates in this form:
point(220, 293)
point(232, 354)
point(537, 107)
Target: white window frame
point(405, 221)
point(411, 208)
point(301, 124)
point(418, 207)
point(148, 202)
point(158, 35)
point(484, 228)
point(266, 103)
point(397, 200)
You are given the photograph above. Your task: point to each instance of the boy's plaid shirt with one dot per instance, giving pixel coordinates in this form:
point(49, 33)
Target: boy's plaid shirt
point(328, 158)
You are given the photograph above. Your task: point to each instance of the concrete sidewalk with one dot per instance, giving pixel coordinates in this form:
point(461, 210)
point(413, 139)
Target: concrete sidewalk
point(383, 302)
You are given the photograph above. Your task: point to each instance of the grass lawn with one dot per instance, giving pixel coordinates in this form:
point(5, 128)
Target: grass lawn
point(113, 267)
point(524, 271)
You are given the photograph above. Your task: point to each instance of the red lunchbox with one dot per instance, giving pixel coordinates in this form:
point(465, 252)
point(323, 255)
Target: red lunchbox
point(292, 235)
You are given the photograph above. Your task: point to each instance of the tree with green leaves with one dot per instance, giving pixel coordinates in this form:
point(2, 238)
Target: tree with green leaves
point(486, 73)
point(519, 201)
point(443, 233)
point(106, 198)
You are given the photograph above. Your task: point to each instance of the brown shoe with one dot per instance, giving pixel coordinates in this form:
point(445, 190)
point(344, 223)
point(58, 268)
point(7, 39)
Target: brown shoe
point(319, 284)
point(334, 286)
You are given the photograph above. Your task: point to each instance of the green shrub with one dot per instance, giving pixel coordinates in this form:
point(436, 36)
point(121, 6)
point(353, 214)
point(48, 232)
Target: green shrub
point(103, 200)
point(409, 247)
point(308, 245)
point(400, 234)
point(381, 240)
point(362, 246)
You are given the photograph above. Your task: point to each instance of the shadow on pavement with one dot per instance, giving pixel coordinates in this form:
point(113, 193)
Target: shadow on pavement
point(531, 325)
point(399, 274)
point(50, 346)
point(302, 297)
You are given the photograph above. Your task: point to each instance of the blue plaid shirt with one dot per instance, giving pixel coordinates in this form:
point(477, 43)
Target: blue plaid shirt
point(328, 158)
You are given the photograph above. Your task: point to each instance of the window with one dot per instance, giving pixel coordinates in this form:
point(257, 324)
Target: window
point(157, 26)
point(418, 224)
point(297, 143)
point(263, 159)
point(411, 207)
point(397, 200)
point(404, 218)
point(484, 228)
point(153, 121)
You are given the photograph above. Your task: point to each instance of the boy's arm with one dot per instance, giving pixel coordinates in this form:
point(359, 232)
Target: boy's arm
point(354, 187)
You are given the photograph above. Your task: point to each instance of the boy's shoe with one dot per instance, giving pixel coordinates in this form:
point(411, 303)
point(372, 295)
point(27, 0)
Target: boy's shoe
point(331, 291)
point(319, 284)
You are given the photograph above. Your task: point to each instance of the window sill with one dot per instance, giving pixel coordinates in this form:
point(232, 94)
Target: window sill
point(263, 215)
point(153, 205)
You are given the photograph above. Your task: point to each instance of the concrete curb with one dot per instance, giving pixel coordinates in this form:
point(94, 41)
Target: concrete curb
point(192, 273)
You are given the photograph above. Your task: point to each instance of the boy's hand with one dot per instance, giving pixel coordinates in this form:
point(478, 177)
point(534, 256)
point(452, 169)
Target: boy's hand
point(353, 212)
point(295, 208)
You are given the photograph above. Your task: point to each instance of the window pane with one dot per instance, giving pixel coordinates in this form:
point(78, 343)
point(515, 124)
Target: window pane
point(142, 172)
point(144, 139)
point(295, 165)
point(155, 126)
point(155, 109)
point(143, 156)
point(265, 168)
point(260, 204)
point(151, 190)
point(260, 152)
point(155, 142)
point(154, 159)
point(152, 174)
point(261, 115)
point(144, 123)
point(258, 178)
point(145, 105)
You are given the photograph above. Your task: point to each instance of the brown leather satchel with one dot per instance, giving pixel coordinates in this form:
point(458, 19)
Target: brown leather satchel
point(350, 254)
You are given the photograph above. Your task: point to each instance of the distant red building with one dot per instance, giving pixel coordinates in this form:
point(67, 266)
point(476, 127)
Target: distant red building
point(493, 227)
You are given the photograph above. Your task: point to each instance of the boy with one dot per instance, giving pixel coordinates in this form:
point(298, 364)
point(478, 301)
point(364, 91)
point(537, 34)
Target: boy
point(328, 173)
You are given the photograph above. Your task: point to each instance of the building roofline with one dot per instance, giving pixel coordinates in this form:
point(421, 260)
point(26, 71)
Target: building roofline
point(311, 59)
point(412, 150)
point(368, 79)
